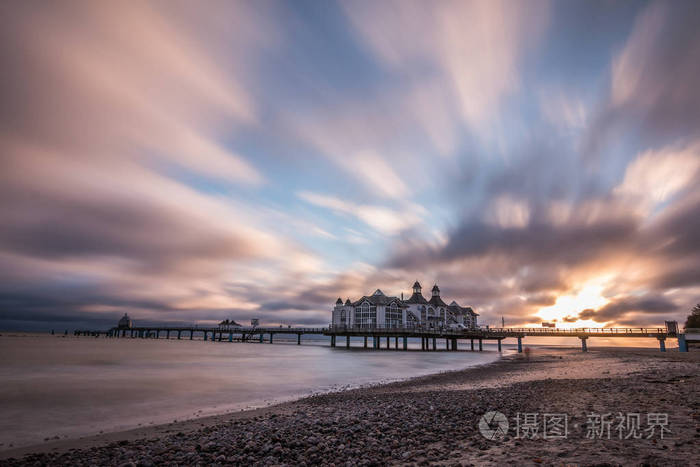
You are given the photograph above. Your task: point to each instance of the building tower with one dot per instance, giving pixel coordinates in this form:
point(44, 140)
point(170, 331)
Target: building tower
point(416, 288)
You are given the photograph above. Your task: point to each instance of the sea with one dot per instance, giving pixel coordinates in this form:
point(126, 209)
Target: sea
point(63, 387)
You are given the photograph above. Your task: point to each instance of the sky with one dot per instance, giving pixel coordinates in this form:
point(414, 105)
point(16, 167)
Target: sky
point(188, 163)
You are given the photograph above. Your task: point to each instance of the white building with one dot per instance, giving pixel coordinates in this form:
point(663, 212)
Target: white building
point(379, 310)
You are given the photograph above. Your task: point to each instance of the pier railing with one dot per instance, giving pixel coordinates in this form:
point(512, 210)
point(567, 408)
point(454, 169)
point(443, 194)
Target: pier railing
point(487, 332)
point(575, 331)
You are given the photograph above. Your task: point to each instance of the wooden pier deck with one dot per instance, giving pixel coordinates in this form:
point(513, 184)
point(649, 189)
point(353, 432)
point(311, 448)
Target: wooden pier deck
point(429, 336)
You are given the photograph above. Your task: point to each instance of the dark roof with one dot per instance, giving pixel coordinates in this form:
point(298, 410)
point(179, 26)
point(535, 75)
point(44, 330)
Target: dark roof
point(416, 284)
point(378, 299)
point(435, 300)
point(339, 301)
point(348, 302)
point(468, 309)
point(417, 298)
point(458, 310)
point(436, 288)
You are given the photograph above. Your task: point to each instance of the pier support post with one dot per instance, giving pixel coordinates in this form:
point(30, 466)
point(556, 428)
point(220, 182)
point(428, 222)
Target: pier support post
point(405, 343)
point(167, 336)
point(213, 336)
point(179, 332)
point(481, 347)
point(584, 347)
point(124, 333)
point(262, 339)
point(520, 345)
point(375, 342)
point(499, 345)
point(271, 338)
point(472, 345)
point(298, 339)
point(447, 343)
point(332, 341)
point(205, 335)
point(662, 344)
point(365, 342)
point(230, 337)
point(422, 343)
point(682, 344)
point(347, 342)
point(388, 343)
point(434, 343)
point(221, 335)
point(191, 334)
point(454, 344)
point(396, 342)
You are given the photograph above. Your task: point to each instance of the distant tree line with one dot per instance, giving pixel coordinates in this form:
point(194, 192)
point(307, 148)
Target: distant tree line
point(693, 320)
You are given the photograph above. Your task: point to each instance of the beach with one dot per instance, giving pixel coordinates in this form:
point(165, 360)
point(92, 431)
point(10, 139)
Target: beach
point(435, 419)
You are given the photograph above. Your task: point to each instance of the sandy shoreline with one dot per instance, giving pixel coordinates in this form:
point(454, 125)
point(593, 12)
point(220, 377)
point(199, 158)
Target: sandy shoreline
point(430, 419)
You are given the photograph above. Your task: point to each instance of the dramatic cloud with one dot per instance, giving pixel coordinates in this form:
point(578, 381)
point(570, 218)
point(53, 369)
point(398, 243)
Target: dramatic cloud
point(540, 161)
point(382, 219)
point(450, 37)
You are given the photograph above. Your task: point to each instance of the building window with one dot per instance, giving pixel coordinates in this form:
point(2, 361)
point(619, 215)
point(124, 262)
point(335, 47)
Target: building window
point(366, 315)
point(423, 317)
point(342, 317)
point(431, 317)
point(393, 316)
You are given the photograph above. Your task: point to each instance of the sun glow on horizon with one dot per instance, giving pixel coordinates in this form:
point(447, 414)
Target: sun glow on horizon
point(588, 296)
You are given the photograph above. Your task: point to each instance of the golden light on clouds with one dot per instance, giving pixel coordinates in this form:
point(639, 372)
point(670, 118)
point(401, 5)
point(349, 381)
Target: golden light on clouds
point(589, 296)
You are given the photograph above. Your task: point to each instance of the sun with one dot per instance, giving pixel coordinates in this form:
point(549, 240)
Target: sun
point(588, 296)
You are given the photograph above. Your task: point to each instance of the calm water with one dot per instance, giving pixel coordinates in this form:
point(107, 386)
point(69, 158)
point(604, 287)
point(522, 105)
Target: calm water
point(70, 387)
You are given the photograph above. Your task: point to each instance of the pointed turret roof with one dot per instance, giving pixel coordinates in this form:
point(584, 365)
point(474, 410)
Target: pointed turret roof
point(339, 301)
point(417, 298)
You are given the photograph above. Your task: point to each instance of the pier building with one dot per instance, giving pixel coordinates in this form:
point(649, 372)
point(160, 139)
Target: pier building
point(383, 311)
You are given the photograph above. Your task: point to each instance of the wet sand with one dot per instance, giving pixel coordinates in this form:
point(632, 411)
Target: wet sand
point(433, 419)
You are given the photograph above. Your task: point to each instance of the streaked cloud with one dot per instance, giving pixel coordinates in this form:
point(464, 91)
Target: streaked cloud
point(382, 219)
point(475, 46)
point(656, 176)
point(261, 159)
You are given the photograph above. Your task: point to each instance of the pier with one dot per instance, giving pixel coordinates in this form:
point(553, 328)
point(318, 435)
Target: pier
point(430, 337)
point(394, 338)
point(215, 334)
